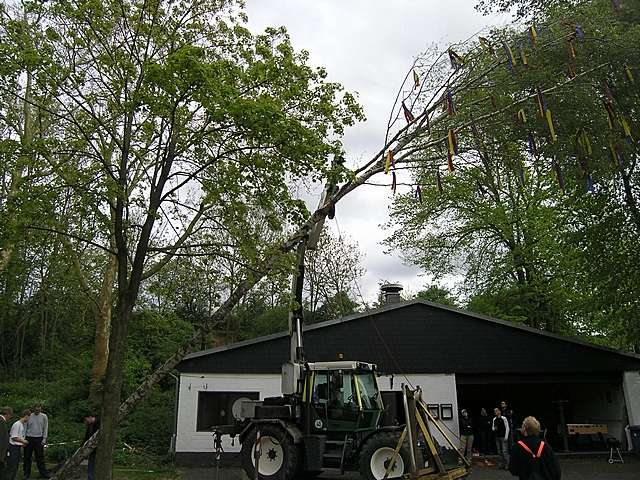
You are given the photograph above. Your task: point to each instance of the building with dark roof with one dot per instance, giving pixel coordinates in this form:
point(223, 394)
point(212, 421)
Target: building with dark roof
point(460, 359)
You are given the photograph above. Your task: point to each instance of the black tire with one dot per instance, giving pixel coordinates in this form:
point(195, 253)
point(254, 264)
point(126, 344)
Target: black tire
point(374, 444)
point(284, 452)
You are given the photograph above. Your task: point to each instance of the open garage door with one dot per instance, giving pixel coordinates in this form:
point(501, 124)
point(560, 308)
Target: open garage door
point(554, 400)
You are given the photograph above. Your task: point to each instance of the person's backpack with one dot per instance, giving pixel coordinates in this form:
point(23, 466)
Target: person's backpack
point(537, 467)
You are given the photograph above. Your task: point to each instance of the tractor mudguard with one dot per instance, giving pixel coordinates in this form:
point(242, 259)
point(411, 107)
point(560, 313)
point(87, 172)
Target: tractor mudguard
point(290, 428)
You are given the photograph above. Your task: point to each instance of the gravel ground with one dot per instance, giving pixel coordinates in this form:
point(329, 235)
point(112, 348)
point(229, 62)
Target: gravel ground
point(572, 469)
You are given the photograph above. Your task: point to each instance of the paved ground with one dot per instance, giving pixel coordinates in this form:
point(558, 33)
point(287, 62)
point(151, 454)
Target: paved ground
point(572, 469)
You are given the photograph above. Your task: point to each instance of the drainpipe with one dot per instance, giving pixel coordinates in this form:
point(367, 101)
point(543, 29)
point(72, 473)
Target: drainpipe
point(172, 445)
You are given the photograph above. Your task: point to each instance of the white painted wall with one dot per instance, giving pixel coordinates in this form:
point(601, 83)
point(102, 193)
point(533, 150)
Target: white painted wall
point(436, 388)
point(631, 388)
point(187, 439)
point(439, 388)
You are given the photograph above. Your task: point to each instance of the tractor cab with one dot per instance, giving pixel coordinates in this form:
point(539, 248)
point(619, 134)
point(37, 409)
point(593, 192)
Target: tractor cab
point(341, 397)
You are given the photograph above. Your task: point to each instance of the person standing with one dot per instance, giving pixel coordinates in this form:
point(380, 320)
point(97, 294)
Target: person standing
point(36, 434)
point(7, 413)
point(92, 424)
point(507, 413)
point(532, 458)
point(500, 427)
point(484, 429)
point(466, 434)
point(16, 441)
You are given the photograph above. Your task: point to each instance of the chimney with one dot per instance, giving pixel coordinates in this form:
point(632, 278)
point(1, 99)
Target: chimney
point(391, 293)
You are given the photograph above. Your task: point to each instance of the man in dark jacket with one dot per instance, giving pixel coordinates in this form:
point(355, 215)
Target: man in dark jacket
point(92, 424)
point(5, 415)
point(466, 434)
point(532, 458)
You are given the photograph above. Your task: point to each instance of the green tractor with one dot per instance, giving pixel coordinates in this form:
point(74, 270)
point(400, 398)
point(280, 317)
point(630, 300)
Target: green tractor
point(330, 416)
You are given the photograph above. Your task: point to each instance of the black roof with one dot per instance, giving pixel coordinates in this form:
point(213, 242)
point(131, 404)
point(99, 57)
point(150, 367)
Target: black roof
point(420, 337)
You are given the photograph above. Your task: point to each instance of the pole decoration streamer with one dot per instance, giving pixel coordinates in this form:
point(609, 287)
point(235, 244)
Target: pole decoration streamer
point(616, 154)
point(408, 116)
point(388, 162)
point(439, 181)
point(558, 171)
point(456, 60)
point(510, 58)
point(394, 183)
point(533, 35)
point(579, 32)
point(616, 5)
point(533, 148)
point(418, 193)
point(451, 108)
point(629, 73)
point(416, 79)
point(486, 44)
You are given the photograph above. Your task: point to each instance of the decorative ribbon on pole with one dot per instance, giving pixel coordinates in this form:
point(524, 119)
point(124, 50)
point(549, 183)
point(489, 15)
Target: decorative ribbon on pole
point(394, 183)
point(408, 116)
point(388, 162)
point(579, 32)
point(616, 5)
point(626, 129)
point(611, 114)
point(616, 154)
point(545, 112)
point(571, 70)
point(584, 166)
point(533, 35)
point(558, 171)
point(571, 49)
point(416, 79)
point(541, 102)
point(418, 193)
point(456, 60)
point(452, 148)
point(486, 44)
point(439, 181)
point(510, 58)
point(531, 141)
point(522, 116)
point(552, 129)
point(629, 73)
point(583, 142)
point(523, 55)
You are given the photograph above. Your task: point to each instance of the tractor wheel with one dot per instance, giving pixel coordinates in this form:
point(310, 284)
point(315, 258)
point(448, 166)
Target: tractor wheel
point(377, 454)
point(279, 455)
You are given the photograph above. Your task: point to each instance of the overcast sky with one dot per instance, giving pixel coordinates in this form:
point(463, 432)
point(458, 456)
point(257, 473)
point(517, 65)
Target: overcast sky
point(368, 46)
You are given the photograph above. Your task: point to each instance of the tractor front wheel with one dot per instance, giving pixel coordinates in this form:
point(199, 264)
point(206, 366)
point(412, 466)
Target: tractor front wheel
point(378, 455)
point(278, 456)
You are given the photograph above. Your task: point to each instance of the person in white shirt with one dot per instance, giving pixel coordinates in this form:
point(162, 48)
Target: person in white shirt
point(500, 427)
point(16, 441)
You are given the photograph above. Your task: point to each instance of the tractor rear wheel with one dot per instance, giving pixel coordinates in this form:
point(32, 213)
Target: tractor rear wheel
point(279, 456)
point(377, 455)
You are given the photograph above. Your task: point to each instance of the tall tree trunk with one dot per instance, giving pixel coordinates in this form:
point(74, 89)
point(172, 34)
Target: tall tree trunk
point(103, 328)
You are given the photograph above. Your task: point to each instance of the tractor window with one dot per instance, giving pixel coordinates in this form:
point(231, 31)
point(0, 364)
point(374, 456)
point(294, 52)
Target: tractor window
point(320, 388)
point(369, 392)
point(341, 390)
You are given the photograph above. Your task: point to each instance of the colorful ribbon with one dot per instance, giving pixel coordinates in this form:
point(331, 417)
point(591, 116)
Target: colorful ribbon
point(486, 44)
point(393, 182)
point(558, 171)
point(510, 58)
point(456, 60)
point(418, 193)
point(416, 80)
point(388, 162)
point(408, 116)
point(439, 181)
point(533, 35)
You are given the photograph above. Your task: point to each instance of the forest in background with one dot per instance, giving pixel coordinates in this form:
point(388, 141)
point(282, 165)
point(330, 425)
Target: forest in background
point(552, 245)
